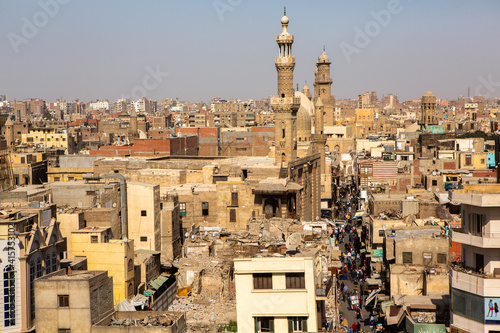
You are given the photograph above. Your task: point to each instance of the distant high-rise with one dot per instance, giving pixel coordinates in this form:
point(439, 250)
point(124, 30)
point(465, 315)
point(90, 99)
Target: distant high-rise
point(285, 106)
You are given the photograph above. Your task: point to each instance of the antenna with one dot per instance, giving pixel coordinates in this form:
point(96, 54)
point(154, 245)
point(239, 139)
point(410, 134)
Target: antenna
point(284, 10)
point(323, 48)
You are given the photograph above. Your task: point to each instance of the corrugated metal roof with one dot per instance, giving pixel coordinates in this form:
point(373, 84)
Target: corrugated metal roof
point(158, 282)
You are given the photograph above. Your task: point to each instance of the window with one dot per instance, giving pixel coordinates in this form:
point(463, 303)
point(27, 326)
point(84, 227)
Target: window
point(295, 281)
point(144, 239)
point(482, 161)
point(232, 215)
point(381, 233)
point(407, 258)
point(441, 258)
point(54, 262)
point(182, 208)
point(63, 330)
point(427, 258)
point(130, 265)
point(476, 223)
point(9, 295)
point(264, 324)
point(234, 199)
point(144, 213)
point(297, 324)
point(47, 264)
point(92, 193)
point(204, 208)
point(32, 288)
point(130, 289)
point(94, 239)
point(468, 159)
point(434, 182)
point(63, 301)
point(262, 281)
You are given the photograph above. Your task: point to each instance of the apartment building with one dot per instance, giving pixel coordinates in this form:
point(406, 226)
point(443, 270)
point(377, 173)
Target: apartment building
point(278, 294)
point(475, 287)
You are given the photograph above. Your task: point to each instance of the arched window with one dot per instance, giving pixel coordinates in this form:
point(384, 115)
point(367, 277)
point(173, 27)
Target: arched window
point(130, 289)
point(283, 133)
point(130, 265)
point(9, 295)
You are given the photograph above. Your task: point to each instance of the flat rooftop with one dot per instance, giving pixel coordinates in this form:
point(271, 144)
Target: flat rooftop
point(74, 275)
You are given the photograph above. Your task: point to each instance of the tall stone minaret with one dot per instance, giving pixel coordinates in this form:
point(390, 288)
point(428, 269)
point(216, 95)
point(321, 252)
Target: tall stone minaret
point(285, 105)
point(319, 138)
point(323, 87)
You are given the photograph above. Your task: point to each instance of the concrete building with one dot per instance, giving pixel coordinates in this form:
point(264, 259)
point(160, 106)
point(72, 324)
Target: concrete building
point(113, 255)
point(143, 207)
point(73, 302)
point(33, 253)
point(278, 294)
point(475, 281)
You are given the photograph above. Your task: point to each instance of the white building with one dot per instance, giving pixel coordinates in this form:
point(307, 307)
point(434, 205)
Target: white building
point(475, 282)
point(99, 105)
point(278, 294)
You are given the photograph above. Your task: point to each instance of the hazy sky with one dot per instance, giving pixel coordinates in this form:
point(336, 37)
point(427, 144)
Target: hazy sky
point(225, 48)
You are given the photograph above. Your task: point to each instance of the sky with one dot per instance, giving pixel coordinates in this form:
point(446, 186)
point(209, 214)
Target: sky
point(196, 50)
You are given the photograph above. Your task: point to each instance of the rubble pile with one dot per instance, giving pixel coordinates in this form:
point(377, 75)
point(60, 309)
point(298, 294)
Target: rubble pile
point(159, 320)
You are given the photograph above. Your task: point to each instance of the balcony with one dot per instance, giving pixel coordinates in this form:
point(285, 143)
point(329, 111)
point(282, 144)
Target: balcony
point(472, 281)
point(488, 240)
point(323, 291)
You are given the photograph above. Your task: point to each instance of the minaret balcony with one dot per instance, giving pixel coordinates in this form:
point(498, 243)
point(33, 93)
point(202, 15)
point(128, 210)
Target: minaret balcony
point(285, 101)
point(284, 60)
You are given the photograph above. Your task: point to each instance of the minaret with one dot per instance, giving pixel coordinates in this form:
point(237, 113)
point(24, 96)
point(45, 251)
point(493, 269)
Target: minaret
point(133, 124)
point(319, 138)
point(428, 116)
point(285, 105)
point(306, 91)
point(323, 87)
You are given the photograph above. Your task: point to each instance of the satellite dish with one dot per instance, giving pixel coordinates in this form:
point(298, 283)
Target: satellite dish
point(434, 172)
point(186, 234)
point(384, 227)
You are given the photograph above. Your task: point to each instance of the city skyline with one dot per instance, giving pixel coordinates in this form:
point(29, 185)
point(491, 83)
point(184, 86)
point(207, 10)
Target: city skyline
point(55, 48)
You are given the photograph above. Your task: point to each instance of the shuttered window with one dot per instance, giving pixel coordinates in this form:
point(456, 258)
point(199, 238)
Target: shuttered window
point(262, 281)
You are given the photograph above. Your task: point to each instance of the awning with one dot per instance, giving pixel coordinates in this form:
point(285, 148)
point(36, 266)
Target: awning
point(358, 214)
point(158, 282)
point(372, 296)
point(276, 188)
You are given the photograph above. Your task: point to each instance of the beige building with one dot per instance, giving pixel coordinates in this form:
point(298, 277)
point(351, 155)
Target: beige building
point(278, 294)
point(73, 302)
point(35, 252)
point(143, 206)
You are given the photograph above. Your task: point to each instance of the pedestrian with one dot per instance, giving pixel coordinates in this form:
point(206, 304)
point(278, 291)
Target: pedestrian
point(361, 302)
